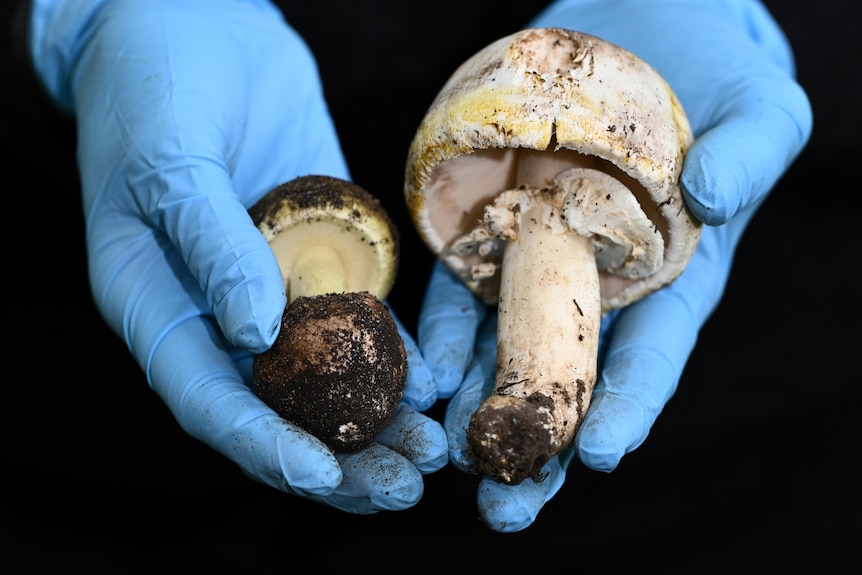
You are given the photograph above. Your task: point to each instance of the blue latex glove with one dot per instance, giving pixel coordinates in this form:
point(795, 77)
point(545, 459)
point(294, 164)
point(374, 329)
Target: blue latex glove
point(188, 111)
point(733, 71)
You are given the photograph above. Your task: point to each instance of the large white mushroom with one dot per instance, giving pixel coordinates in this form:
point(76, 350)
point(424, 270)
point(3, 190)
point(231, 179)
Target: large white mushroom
point(545, 174)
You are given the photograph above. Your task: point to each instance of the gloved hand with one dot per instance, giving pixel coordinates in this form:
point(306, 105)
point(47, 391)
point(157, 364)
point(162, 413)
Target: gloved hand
point(731, 67)
point(188, 111)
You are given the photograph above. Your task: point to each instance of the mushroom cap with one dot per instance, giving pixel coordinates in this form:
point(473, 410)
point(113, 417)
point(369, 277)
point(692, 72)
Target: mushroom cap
point(314, 210)
point(589, 103)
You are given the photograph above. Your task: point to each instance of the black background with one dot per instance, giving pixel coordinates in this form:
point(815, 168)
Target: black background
point(752, 468)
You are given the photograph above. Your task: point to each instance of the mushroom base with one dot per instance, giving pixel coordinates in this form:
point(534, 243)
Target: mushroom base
point(338, 368)
point(509, 438)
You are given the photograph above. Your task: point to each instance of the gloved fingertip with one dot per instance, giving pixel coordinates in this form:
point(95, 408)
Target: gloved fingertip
point(734, 165)
point(435, 454)
point(447, 358)
point(704, 193)
point(432, 464)
point(417, 437)
point(456, 421)
point(254, 337)
point(503, 510)
point(511, 508)
point(447, 378)
point(378, 479)
point(459, 452)
point(420, 392)
point(324, 481)
point(462, 460)
point(419, 402)
point(251, 321)
point(313, 489)
point(308, 470)
point(599, 460)
point(613, 427)
point(249, 306)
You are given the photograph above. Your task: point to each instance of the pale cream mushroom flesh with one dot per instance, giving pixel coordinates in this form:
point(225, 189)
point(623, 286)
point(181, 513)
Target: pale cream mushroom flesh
point(338, 367)
point(545, 175)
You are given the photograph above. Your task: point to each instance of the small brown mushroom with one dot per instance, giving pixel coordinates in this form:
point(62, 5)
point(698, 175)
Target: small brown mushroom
point(545, 175)
point(338, 367)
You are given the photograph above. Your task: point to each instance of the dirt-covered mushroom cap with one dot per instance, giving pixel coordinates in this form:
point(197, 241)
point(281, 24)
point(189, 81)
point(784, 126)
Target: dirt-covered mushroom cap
point(329, 235)
point(580, 102)
point(338, 368)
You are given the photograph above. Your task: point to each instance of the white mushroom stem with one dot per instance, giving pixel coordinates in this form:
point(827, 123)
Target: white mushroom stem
point(549, 306)
point(547, 340)
point(318, 270)
point(549, 313)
